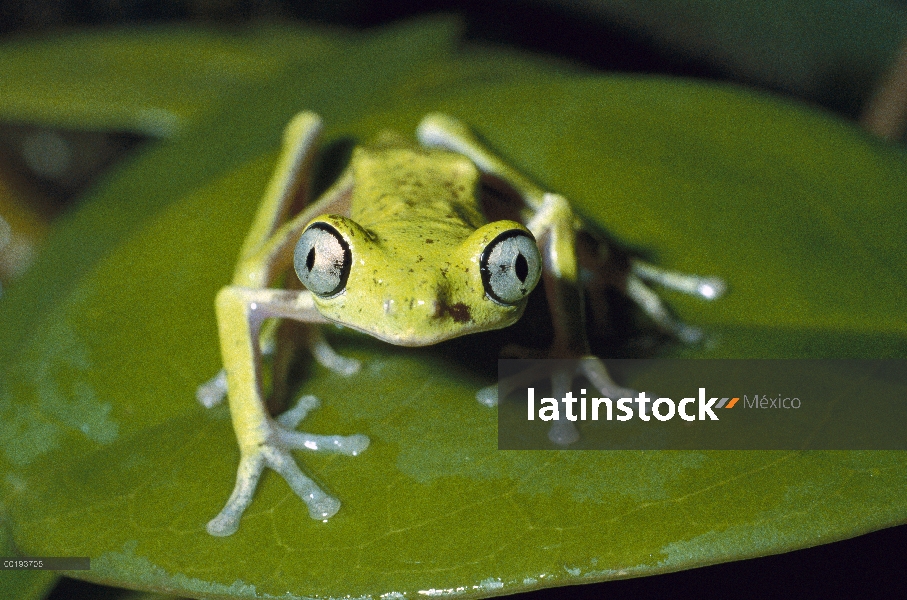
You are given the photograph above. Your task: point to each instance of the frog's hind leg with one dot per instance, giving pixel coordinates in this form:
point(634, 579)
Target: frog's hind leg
point(707, 288)
point(288, 184)
point(553, 224)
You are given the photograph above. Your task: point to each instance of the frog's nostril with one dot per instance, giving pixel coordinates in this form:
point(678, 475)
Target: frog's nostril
point(459, 312)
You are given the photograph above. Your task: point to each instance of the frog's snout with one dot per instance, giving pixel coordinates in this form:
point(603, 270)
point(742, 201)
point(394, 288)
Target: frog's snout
point(459, 312)
point(427, 310)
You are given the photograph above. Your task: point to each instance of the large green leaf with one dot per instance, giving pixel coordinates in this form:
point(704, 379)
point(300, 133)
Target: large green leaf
point(155, 81)
point(107, 454)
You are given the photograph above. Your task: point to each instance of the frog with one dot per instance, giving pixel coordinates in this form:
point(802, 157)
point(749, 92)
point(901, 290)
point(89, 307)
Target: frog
point(399, 248)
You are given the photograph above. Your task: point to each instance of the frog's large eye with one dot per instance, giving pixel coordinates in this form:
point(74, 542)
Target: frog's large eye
point(510, 266)
point(322, 260)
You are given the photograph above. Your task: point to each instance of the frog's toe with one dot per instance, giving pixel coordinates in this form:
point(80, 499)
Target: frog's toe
point(488, 396)
point(688, 334)
point(355, 444)
point(563, 433)
point(291, 418)
point(321, 506)
point(212, 392)
point(328, 358)
point(351, 445)
point(324, 508)
point(597, 373)
point(707, 288)
point(226, 523)
point(223, 525)
point(247, 476)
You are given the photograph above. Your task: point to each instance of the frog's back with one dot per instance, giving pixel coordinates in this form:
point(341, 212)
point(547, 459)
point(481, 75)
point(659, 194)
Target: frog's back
point(398, 185)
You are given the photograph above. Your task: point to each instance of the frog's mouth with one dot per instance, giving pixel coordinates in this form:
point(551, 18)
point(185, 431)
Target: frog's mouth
point(445, 323)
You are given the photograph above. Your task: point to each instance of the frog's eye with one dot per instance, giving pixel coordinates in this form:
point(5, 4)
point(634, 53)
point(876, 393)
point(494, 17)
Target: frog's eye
point(322, 260)
point(510, 266)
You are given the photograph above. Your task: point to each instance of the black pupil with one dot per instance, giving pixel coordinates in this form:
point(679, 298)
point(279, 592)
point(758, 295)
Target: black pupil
point(521, 267)
point(310, 259)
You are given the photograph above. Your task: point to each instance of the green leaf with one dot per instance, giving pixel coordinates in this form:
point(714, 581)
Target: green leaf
point(107, 454)
point(155, 81)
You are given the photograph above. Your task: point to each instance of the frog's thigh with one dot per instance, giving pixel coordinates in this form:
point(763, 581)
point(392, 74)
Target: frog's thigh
point(443, 131)
point(289, 180)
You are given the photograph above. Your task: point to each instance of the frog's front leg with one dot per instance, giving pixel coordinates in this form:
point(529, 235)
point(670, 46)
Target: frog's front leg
point(553, 224)
point(242, 309)
point(263, 441)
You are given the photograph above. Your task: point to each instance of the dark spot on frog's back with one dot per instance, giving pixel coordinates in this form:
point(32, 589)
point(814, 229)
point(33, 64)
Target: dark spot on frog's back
point(459, 312)
point(429, 241)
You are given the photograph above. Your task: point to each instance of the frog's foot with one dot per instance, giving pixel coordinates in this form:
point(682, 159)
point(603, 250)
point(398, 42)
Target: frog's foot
point(563, 432)
point(707, 288)
point(275, 453)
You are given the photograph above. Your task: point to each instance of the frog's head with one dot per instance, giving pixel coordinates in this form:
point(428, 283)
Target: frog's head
point(420, 286)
